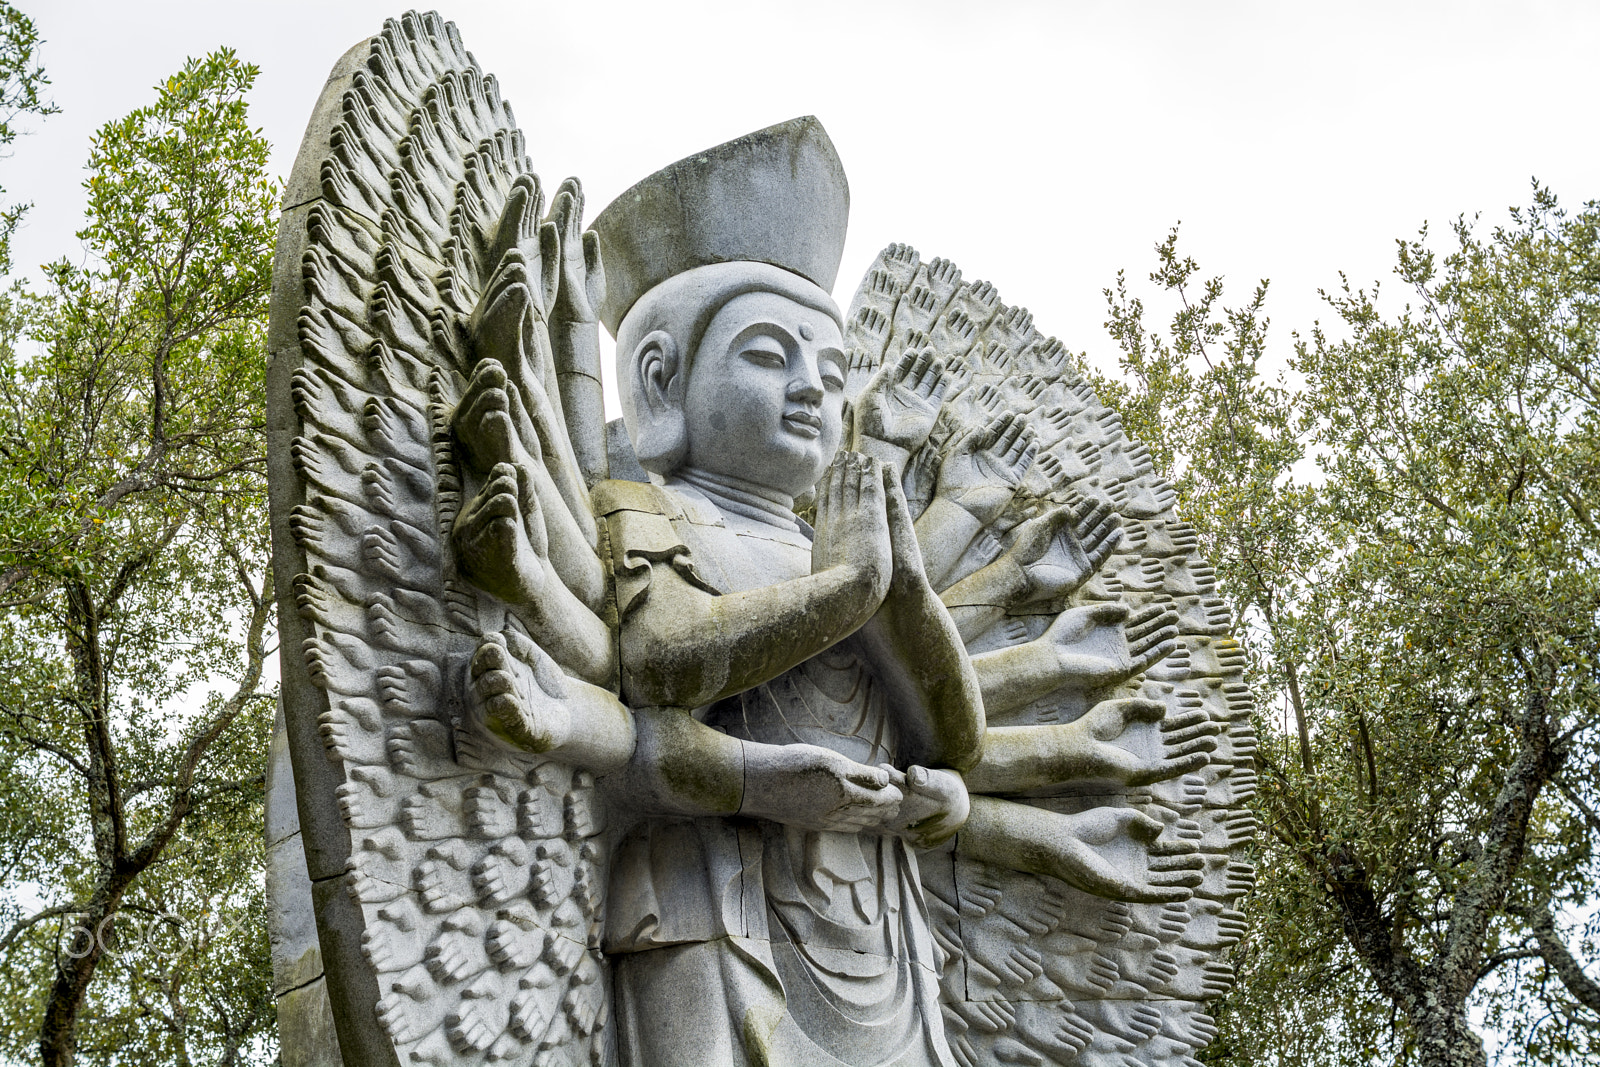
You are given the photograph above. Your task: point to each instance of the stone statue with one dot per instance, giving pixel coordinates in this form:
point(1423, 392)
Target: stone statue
point(856, 698)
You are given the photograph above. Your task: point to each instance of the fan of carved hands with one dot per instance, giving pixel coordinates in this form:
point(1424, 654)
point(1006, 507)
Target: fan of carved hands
point(1050, 550)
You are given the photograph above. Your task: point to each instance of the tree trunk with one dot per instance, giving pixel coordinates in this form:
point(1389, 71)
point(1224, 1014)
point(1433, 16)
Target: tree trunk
point(120, 865)
point(58, 1033)
point(1446, 1039)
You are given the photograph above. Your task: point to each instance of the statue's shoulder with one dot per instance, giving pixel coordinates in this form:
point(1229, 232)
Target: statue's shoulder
point(647, 524)
point(611, 496)
point(640, 519)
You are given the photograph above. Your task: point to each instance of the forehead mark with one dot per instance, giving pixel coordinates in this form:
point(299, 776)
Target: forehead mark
point(806, 332)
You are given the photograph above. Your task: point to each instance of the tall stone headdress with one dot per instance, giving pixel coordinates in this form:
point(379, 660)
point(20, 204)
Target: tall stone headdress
point(458, 879)
point(776, 196)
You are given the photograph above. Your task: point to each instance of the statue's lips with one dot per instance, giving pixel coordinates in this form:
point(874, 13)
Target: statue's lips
point(803, 423)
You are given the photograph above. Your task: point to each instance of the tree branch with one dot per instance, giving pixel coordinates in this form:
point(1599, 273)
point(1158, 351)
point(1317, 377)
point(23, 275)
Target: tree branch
point(183, 783)
point(1590, 816)
point(1506, 956)
point(1584, 989)
point(54, 749)
point(23, 925)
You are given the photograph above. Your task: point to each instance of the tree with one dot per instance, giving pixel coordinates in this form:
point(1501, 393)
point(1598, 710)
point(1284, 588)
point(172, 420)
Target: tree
point(137, 602)
point(22, 84)
point(1405, 523)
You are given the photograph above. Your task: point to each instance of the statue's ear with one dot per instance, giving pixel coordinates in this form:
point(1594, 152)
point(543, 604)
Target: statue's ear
point(659, 385)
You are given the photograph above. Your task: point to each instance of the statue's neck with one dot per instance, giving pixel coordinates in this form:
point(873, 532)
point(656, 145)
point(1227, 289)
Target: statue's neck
point(743, 498)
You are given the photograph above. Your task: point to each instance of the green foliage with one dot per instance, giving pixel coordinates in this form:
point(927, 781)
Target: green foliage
point(1403, 521)
point(135, 602)
point(22, 84)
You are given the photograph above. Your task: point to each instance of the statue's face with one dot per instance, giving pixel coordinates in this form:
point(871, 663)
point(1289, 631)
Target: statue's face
point(765, 396)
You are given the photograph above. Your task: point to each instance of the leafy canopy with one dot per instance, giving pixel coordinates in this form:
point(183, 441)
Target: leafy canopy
point(135, 600)
point(1404, 521)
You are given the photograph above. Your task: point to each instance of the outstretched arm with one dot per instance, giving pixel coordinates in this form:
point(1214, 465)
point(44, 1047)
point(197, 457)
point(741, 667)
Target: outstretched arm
point(921, 657)
point(1117, 853)
point(685, 647)
point(1021, 758)
point(1086, 648)
point(1051, 556)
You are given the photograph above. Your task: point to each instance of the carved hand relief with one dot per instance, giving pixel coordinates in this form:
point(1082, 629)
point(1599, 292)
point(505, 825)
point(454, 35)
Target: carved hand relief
point(893, 719)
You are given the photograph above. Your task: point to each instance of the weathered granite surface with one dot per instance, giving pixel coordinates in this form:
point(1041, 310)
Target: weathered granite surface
point(858, 699)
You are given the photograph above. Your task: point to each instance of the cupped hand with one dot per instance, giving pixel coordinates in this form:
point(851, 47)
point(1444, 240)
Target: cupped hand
point(815, 788)
point(491, 422)
point(982, 472)
point(520, 692)
point(1099, 645)
point(502, 325)
point(1187, 741)
point(1063, 548)
point(936, 805)
point(1120, 854)
point(500, 537)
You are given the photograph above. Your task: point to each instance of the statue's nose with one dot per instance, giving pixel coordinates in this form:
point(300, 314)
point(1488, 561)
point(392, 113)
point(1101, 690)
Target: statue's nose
point(805, 386)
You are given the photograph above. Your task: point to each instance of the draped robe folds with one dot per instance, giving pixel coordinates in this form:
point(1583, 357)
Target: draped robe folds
point(742, 941)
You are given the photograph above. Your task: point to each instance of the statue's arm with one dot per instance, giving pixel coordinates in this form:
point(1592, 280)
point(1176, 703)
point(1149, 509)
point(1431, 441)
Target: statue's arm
point(1015, 677)
point(503, 546)
point(980, 599)
point(1050, 556)
point(977, 478)
point(946, 528)
point(1095, 747)
point(681, 766)
point(575, 331)
point(1089, 850)
point(686, 647)
point(921, 658)
point(1086, 648)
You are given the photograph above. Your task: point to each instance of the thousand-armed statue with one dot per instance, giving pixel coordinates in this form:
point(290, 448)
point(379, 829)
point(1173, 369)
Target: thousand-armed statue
point(856, 698)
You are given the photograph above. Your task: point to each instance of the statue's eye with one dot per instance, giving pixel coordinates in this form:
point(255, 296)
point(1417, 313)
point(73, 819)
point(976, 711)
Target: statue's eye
point(765, 352)
point(831, 377)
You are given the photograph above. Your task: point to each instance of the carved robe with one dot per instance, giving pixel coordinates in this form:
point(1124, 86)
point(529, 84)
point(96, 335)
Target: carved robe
point(816, 943)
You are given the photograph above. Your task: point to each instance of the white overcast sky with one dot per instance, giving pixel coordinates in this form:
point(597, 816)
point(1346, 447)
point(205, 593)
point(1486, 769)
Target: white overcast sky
point(1039, 145)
